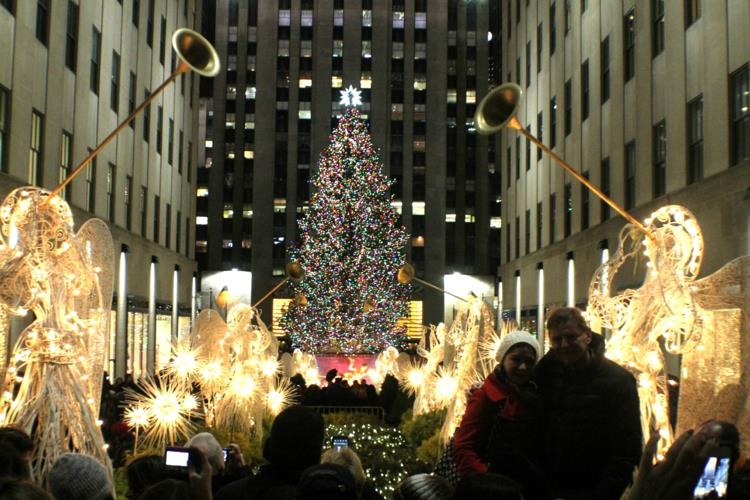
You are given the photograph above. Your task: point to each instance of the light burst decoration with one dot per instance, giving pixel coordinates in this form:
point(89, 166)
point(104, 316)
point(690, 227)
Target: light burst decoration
point(351, 249)
point(137, 417)
point(350, 97)
point(162, 402)
point(52, 383)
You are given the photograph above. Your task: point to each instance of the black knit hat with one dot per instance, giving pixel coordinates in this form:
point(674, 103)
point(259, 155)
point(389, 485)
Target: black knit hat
point(296, 438)
point(327, 481)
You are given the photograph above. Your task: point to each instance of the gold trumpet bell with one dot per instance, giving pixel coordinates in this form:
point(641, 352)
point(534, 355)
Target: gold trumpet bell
point(406, 274)
point(196, 52)
point(498, 109)
point(295, 271)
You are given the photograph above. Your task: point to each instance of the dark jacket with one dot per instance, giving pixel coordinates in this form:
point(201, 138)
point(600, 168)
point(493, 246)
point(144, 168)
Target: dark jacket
point(499, 433)
point(592, 425)
point(271, 483)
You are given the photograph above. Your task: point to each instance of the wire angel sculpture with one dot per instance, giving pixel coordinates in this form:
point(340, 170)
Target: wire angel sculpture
point(52, 383)
point(674, 312)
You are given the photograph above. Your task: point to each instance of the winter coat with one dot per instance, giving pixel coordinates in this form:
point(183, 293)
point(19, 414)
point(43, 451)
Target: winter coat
point(271, 483)
point(592, 425)
point(499, 433)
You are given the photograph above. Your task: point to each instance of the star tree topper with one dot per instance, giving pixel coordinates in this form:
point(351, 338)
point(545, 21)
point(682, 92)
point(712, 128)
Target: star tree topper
point(350, 97)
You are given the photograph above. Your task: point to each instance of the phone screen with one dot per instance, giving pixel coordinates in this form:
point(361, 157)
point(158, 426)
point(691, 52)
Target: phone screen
point(714, 481)
point(176, 458)
point(225, 451)
point(340, 442)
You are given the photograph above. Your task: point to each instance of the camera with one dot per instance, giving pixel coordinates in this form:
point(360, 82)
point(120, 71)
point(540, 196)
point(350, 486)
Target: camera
point(714, 480)
point(177, 460)
point(339, 442)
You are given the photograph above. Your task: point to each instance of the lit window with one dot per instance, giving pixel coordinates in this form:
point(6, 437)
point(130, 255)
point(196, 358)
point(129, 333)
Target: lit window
point(249, 92)
point(419, 143)
point(420, 51)
point(201, 192)
point(338, 48)
point(230, 122)
point(283, 48)
point(397, 111)
point(285, 17)
point(469, 218)
point(246, 244)
point(305, 48)
point(420, 82)
point(247, 211)
point(209, 143)
point(279, 205)
point(201, 246)
point(367, 18)
point(451, 96)
point(398, 19)
point(231, 92)
point(249, 154)
point(471, 96)
point(304, 114)
point(230, 155)
point(420, 20)
point(398, 50)
point(417, 208)
point(366, 49)
point(496, 222)
point(201, 220)
point(365, 81)
point(418, 241)
point(337, 82)
point(228, 211)
point(227, 244)
point(305, 83)
point(338, 17)
point(419, 113)
point(307, 18)
point(450, 217)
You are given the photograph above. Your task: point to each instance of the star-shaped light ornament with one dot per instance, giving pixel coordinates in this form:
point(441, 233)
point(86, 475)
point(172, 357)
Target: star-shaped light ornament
point(351, 97)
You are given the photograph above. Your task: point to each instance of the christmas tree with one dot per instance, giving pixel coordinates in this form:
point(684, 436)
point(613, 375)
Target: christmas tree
point(351, 248)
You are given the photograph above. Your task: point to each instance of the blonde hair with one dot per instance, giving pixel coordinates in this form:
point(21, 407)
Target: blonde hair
point(346, 458)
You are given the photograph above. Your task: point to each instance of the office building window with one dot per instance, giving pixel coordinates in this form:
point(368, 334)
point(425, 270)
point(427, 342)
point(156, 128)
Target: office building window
point(584, 6)
point(692, 11)
point(539, 133)
point(71, 36)
point(163, 40)
point(150, 24)
point(8, 4)
point(180, 152)
point(131, 98)
point(657, 29)
point(528, 64)
point(528, 150)
point(178, 232)
point(741, 114)
point(111, 178)
point(4, 128)
point(168, 226)
point(508, 232)
point(66, 157)
point(605, 70)
point(170, 142)
point(553, 122)
point(157, 213)
point(136, 12)
point(552, 217)
point(96, 47)
point(518, 158)
point(539, 225)
point(159, 129)
point(629, 44)
point(115, 87)
point(568, 108)
point(527, 232)
point(568, 215)
point(42, 21)
point(630, 175)
point(146, 118)
point(539, 45)
point(695, 140)
point(518, 237)
point(144, 210)
point(660, 158)
point(507, 168)
point(552, 29)
point(127, 199)
point(585, 90)
point(567, 16)
point(36, 160)
point(605, 179)
point(585, 204)
point(91, 186)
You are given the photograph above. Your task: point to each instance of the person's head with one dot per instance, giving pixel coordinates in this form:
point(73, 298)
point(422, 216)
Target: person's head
point(296, 438)
point(79, 477)
point(209, 446)
point(168, 489)
point(331, 374)
point(11, 463)
point(20, 441)
point(569, 335)
point(423, 487)
point(518, 353)
point(141, 473)
point(327, 482)
point(726, 433)
point(489, 486)
point(19, 489)
point(346, 458)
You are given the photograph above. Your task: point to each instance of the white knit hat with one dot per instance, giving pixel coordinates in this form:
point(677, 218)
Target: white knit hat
point(514, 338)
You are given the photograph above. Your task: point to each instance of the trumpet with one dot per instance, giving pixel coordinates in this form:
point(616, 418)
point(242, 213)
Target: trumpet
point(195, 54)
point(497, 110)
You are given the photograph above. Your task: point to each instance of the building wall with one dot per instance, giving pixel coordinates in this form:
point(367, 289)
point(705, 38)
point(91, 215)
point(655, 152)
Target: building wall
point(36, 76)
point(403, 50)
point(698, 58)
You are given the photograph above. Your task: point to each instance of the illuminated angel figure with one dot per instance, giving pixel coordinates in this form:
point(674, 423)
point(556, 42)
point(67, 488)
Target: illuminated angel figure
point(52, 384)
point(677, 311)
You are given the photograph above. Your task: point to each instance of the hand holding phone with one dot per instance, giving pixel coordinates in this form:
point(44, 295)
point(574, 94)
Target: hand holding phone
point(339, 442)
point(714, 481)
point(178, 460)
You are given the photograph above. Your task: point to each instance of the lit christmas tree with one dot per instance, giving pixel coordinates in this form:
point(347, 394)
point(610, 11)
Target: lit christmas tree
point(351, 248)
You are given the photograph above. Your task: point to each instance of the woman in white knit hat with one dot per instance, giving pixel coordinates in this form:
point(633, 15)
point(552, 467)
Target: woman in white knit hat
point(501, 430)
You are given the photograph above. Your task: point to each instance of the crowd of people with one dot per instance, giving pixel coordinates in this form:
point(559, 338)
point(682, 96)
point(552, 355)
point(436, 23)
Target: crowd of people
point(563, 425)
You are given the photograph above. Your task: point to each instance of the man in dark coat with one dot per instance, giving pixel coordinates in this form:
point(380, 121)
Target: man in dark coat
point(592, 414)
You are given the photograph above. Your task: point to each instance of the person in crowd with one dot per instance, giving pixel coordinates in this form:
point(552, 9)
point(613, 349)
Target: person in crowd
point(79, 477)
point(327, 482)
point(16, 452)
point(295, 443)
point(423, 487)
point(142, 472)
point(198, 486)
point(499, 431)
point(592, 415)
point(224, 473)
point(18, 489)
point(488, 487)
point(346, 457)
